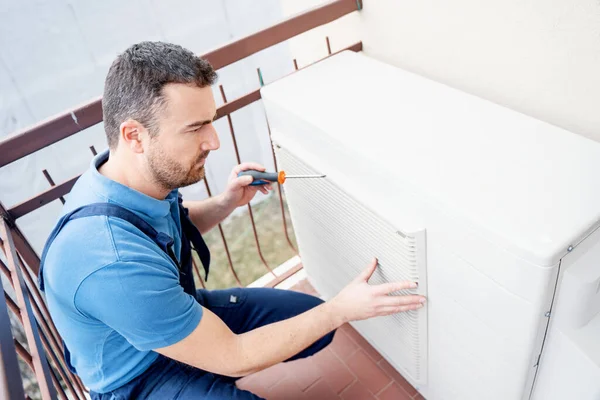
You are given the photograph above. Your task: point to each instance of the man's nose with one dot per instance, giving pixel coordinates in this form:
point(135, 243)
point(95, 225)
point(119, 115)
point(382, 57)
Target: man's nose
point(212, 142)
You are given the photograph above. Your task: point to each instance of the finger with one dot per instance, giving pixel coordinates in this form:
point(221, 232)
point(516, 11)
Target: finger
point(263, 190)
point(242, 181)
point(391, 287)
point(368, 272)
point(246, 166)
point(396, 301)
point(398, 309)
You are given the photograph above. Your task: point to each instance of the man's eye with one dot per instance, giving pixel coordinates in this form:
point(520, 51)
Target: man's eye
point(198, 128)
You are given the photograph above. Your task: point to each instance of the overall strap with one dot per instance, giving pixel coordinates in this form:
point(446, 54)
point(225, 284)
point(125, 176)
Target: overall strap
point(192, 234)
point(164, 241)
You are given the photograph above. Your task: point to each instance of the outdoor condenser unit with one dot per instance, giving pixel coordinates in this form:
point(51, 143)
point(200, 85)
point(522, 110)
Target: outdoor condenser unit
point(494, 213)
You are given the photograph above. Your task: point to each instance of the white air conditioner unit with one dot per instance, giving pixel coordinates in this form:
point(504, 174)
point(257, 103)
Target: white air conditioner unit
point(493, 212)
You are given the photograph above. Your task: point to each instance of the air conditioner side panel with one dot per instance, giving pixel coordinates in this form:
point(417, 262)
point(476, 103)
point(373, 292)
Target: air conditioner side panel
point(338, 236)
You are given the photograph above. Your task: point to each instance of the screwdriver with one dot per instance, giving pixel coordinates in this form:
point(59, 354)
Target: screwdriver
point(263, 178)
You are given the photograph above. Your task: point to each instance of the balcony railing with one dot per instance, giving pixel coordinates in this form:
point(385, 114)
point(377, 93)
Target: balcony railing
point(27, 332)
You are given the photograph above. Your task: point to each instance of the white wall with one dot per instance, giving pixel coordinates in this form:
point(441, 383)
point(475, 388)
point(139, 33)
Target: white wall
point(539, 57)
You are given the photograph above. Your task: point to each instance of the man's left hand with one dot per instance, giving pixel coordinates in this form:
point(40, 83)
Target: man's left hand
point(239, 192)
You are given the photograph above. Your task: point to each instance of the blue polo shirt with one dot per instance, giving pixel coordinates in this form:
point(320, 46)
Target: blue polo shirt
point(113, 294)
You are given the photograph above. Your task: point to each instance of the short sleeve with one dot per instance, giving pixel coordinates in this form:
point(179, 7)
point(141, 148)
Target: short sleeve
point(143, 302)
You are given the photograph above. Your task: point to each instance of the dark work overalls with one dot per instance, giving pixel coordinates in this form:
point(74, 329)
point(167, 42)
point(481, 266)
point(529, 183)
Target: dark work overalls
point(242, 309)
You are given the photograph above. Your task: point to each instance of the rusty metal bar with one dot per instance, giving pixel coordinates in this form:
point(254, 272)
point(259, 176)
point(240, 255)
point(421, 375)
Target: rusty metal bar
point(50, 131)
point(54, 346)
point(281, 206)
point(239, 161)
point(356, 47)
point(285, 229)
point(59, 389)
point(11, 385)
point(23, 246)
point(40, 305)
point(262, 258)
point(295, 64)
point(237, 279)
point(31, 332)
point(93, 150)
point(32, 288)
point(4, 268)
point(238, 103)
point(51, 182)
point(52, 351)
point(47, 327)
point(41, 199)
point(62, 370)
point(280, 32)
point(235, 146)
point(43, 314)
point(66, 124)
point(24, 354)
point(328, 45)
point(27, 358)
point(32, 276)
point(13, 306)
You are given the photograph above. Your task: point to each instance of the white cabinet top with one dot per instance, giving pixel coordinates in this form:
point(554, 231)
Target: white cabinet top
point(535, 187)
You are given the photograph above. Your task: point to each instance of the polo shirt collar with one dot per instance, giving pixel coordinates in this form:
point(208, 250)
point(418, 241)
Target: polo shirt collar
point(125, 196)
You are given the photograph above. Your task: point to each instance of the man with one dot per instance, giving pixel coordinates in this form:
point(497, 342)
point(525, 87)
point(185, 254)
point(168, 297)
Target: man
point(116, 269)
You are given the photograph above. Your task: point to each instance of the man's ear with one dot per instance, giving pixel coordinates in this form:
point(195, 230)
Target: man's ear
point(132, 134)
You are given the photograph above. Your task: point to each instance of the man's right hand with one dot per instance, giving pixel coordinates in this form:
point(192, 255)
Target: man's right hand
point(359, 300)
point(238, 355)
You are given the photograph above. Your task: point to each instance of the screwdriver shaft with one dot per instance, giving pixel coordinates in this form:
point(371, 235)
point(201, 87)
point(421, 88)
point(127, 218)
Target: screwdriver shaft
point(304, 176)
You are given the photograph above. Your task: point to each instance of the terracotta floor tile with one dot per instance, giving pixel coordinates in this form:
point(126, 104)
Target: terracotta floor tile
point(395, 375)
point(270, 376)
point(333, 371)
point(321, 391)
point(350, 369)
point(347, 328)
point(303, 371)
point(253, 385)
point(368, 372)
point(362, 342)
point(342, 345)
point(286, 389)
point(357, 392)
point(393, 392)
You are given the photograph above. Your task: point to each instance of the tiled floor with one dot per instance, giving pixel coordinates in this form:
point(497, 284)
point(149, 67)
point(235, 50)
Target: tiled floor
point(349, 369)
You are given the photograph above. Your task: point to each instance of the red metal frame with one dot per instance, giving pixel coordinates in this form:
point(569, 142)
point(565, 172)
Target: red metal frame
point(39, 361)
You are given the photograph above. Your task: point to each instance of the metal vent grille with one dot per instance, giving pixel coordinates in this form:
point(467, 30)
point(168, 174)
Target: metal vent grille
point(337, 237)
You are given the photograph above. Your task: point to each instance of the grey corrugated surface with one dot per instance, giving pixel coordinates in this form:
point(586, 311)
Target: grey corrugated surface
point(337, 237)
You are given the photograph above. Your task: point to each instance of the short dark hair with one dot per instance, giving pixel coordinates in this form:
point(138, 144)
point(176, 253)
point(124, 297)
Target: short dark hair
point(133, 86)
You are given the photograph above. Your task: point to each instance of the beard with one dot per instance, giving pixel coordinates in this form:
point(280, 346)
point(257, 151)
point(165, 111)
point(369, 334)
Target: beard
point(170, 173)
